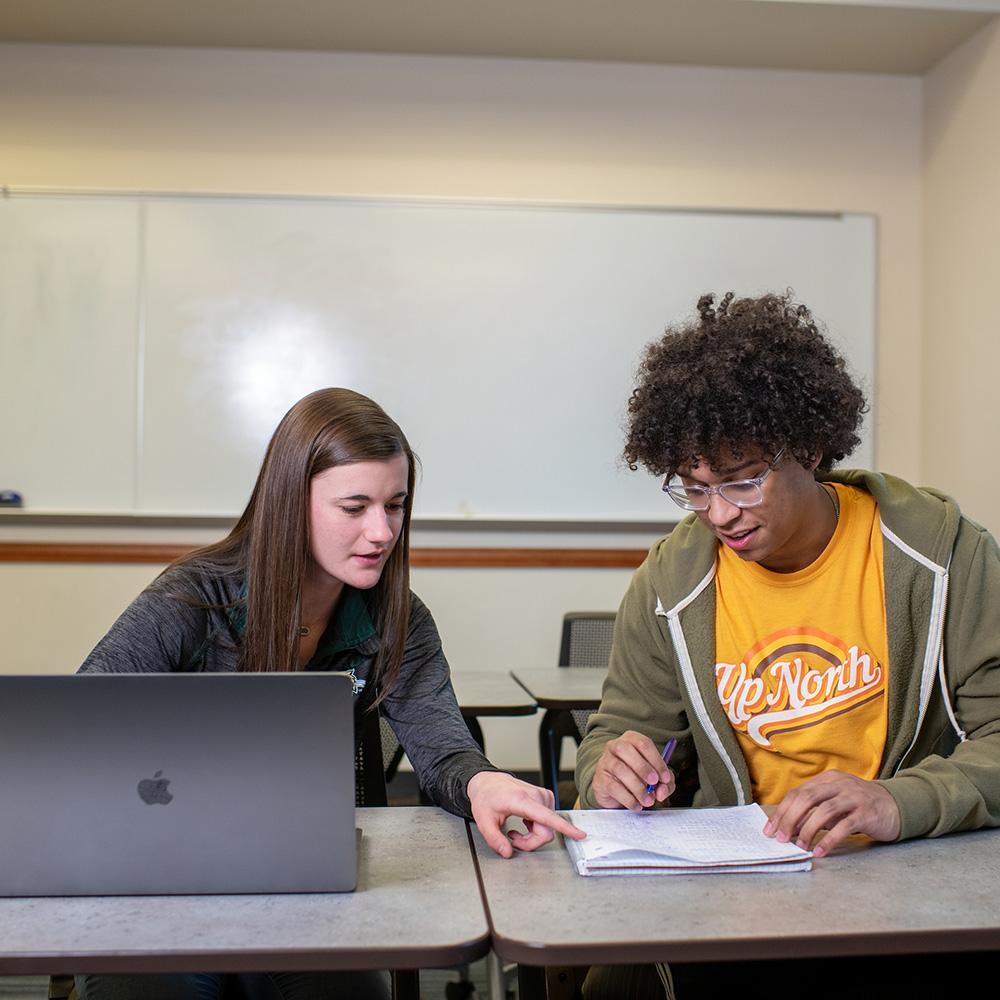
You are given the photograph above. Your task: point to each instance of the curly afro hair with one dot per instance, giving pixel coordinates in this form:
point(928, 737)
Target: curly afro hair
point(749, 377)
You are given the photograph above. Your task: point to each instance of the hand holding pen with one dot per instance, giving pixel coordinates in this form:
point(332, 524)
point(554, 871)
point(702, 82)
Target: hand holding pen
point(632, 773)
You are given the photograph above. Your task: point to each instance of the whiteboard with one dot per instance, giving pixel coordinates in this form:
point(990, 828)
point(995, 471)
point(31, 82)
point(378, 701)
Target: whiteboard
point(502, 338)
point(68, 312)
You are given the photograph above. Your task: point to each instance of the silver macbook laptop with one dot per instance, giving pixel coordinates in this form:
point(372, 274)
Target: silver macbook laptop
point(122, 784)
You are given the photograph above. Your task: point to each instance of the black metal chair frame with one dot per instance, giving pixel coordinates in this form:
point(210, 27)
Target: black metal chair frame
point(559, 723)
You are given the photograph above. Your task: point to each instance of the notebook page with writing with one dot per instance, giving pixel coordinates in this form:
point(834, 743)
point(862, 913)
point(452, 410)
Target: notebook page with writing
point(680, 840)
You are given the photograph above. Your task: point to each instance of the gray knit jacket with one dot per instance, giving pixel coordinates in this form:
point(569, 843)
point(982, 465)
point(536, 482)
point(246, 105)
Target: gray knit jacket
point(191, 621)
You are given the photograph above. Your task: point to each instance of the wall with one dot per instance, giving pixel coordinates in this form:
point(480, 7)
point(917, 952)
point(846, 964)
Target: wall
point(205, 120)
point(961, 424)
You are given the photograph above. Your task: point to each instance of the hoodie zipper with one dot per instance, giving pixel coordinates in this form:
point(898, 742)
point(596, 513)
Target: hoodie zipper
point(690, 681)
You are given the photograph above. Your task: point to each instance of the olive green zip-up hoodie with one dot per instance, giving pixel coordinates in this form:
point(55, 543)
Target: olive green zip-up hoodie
point(942, 596)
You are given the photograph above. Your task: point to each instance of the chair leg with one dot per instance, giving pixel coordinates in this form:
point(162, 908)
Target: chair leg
point(549, 745)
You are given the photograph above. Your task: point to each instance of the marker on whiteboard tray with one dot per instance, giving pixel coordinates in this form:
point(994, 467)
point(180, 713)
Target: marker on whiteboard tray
point(11, 498)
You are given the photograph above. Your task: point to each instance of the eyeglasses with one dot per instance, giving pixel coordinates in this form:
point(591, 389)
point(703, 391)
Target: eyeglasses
point(740, 492)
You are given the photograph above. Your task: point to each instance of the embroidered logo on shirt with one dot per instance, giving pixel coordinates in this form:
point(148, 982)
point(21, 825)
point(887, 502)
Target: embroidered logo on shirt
point(357, 683)
point(793, 679)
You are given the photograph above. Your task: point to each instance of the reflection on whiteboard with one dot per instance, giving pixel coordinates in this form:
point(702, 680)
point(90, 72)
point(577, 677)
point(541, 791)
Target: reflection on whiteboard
point(502, 338)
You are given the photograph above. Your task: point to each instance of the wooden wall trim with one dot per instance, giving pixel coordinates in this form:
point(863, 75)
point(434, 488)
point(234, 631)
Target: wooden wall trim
point(99, 552)
point(90, 552)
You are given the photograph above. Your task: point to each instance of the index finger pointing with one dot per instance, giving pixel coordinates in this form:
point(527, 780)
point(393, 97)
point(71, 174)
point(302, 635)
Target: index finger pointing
point(537, 813)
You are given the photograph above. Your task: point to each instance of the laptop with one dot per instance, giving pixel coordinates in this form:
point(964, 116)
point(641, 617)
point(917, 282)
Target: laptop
point(128, 784)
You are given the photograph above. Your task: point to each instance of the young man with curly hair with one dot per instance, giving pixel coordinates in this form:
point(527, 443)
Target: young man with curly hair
point(821, 642)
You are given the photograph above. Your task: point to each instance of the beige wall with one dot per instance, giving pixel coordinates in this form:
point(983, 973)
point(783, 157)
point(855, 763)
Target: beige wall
point(52, 615)
point(349, 124)
point(961, 422)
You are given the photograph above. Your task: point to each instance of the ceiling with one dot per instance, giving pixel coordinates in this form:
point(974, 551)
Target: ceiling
point(883, 36)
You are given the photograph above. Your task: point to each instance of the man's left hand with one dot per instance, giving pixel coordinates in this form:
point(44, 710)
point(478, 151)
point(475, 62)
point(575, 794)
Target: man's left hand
point(495, 797)
point(836, 802)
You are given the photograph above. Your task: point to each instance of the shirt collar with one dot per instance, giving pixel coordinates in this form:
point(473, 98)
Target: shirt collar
point(350, 626)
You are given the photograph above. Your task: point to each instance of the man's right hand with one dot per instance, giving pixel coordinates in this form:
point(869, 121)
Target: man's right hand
point(628, 765)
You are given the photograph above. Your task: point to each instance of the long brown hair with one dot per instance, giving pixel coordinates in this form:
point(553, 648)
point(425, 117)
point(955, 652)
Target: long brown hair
point(269, 546)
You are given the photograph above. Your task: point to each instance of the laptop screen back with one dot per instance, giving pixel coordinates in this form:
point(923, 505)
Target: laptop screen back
point(120, 784)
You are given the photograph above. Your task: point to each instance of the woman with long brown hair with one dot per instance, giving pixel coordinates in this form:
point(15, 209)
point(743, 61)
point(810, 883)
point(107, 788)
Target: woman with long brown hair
point(315, 576)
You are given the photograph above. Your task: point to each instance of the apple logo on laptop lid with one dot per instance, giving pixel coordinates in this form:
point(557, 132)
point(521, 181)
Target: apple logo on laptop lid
point(153, 791)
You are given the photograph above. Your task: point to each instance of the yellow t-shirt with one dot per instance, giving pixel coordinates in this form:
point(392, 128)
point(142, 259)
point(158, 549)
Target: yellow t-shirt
point(802, 658)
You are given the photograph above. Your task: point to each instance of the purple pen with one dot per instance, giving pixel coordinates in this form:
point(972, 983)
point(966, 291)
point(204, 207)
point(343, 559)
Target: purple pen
point(668, 752)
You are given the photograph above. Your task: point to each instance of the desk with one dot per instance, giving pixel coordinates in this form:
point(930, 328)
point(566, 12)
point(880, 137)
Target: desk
point(559, 690)
point(919, 896)
point(564, 688)
point(413, 862)
point(489, 693)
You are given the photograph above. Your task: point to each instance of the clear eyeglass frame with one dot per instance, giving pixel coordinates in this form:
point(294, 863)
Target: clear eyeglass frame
point(739, 492)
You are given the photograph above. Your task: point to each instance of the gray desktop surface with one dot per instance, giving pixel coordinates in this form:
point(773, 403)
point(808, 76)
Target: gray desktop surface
point(491, 693)
point(417, 905)
point(562, 687)
point(918, 896)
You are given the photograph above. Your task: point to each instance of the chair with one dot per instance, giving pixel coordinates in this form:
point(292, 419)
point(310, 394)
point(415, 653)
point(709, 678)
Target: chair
point(369, 771)
point(392, 749)
point(586, 642)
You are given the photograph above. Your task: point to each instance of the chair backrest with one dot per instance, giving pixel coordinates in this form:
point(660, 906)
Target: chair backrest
point(586, 638)
point(392, 752)
point(586, 642)
point(369, 773)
